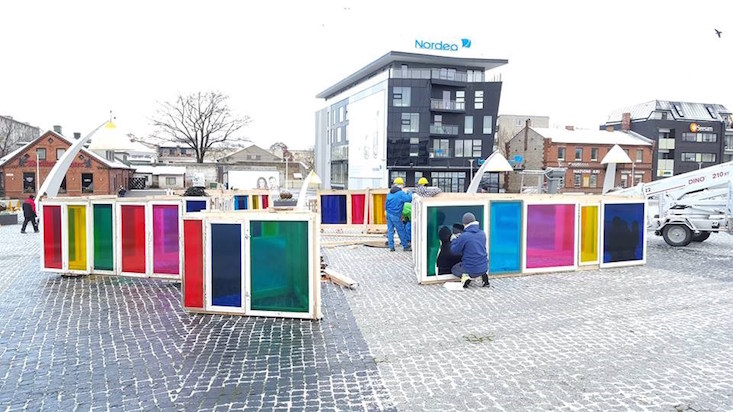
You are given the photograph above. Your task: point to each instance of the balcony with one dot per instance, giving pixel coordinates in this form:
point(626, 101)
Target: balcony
point(444, 130)
point(441, 105)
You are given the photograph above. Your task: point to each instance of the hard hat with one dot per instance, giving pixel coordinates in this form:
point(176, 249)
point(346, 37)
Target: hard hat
point(422, 182)
point(399, 181)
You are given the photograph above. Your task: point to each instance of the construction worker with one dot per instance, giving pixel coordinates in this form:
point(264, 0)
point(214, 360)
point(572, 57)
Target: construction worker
point(393, 207)
point(471, 244)
point(423, 190)
point(407, 219)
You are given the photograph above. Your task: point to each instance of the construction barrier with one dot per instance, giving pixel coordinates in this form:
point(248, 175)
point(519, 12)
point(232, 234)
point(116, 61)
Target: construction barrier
point(252, 263)
point(534, 233)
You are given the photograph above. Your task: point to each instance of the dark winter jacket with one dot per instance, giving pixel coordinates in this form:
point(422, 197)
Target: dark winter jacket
point(446, 259)
point(396, 201)
point(472, 245)
point(29, 209)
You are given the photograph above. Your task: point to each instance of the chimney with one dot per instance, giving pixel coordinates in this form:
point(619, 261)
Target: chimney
point(77, 135)
point(57, 128)
point(609, 128)
point(626, 122)
point(571, 128)
point(528, 122)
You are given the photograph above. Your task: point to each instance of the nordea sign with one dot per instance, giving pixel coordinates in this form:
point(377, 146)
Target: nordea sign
point(441, 45)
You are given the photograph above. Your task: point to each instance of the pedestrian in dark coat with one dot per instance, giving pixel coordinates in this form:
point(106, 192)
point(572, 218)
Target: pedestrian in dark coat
point(29, 212)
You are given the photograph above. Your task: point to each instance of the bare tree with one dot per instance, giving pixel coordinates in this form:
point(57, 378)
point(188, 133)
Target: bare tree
point(200, 121)
point(7, 136)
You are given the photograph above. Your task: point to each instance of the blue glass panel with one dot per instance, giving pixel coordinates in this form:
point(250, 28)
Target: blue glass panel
point(333, 209)
point(505, 237)
point(240, 202)
point(623, 232)
point(195, 205)
point(226, 265)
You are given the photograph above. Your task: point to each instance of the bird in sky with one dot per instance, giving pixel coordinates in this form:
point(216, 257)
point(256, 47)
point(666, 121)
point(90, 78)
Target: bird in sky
point(718, 32)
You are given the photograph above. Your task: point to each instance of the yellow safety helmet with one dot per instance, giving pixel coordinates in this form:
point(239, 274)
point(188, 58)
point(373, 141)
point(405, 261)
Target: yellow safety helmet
point(422, 182)
point(399, 181)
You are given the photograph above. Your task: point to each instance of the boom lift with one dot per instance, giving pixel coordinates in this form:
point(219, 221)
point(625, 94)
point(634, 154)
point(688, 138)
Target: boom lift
point(690, 206)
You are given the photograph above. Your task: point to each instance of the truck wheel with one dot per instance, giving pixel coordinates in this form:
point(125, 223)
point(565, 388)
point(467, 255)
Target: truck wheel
point(677, 235)
point(700, 236)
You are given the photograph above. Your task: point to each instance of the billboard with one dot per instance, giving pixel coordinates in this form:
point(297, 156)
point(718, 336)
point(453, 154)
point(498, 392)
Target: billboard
point(367, 134)
point(253, 179)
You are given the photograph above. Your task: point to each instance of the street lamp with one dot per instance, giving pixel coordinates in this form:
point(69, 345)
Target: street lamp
point(38, 172)
point(471, 162)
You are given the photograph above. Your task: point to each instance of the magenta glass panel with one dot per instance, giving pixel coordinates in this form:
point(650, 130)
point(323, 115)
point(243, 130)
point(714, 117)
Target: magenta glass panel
point(166, 256)
point(550, 236)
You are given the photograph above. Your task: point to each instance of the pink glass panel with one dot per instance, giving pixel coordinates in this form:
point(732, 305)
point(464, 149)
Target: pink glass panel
point(550, 236)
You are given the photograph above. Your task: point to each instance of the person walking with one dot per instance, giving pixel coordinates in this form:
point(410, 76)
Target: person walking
point(29, 212)
point(471, 244)
point(393, 206)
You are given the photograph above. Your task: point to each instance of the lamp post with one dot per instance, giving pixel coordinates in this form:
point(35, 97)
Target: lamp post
point(38, 172)
point(471, 162)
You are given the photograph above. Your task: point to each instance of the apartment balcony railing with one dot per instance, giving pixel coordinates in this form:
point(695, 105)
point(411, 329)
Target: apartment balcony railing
point(444, 129)
point(447, 105)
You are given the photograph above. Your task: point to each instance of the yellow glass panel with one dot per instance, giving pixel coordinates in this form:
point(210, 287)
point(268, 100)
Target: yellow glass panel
point(379, 213)
point(588, 234)
point(255, 201)
point(77, 237)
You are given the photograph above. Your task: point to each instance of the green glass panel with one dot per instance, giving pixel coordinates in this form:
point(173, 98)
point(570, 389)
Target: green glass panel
point(440, 216)
point(279, 266)
point(103, 237)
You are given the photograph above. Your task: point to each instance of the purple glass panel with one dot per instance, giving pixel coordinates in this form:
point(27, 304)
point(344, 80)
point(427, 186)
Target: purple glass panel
point(166, 256)
point(550, 236)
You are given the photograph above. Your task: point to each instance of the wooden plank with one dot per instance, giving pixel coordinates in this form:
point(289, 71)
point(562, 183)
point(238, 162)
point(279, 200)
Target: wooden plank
point(341, 279)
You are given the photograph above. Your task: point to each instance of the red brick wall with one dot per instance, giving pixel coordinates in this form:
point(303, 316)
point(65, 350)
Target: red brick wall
point(84, 163)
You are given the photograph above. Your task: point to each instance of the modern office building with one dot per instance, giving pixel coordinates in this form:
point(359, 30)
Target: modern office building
point(687, 136)
point(408, 115)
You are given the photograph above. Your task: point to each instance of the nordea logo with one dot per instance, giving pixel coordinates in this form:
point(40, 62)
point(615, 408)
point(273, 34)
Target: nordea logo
point(445, 46)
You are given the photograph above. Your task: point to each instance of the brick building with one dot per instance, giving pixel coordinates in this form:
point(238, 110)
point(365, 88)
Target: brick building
point(580, 152)
point(88, 174)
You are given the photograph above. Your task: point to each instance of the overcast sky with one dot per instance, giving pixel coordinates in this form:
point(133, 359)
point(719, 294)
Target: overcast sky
point(69, 63)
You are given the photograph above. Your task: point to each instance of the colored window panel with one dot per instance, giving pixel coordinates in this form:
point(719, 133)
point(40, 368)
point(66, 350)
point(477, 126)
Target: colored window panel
point(166, 252)
point(550, 236)
point(505, 237)
point(255, 201)
point(240, 203)
point(52, 237)
point(103, 237)
point(623, 232)
point(195, 205)
point(379, 212)
point(279, 266)
point(588, 234)
point(265, 201)
point(132, 251)
point(193, 281)
point(226, 265)
point(358, 202)
point(333, 209)
point(77, 234)
point(439, 217)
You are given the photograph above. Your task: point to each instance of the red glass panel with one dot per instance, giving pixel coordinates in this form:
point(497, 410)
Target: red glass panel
point(357, 209)
point(265, 201)
point(193, 264)
point(133, 238)
point(52, 237)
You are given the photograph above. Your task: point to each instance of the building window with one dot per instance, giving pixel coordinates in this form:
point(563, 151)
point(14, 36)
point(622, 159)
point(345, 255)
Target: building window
point(474, 76)
point(401, 96)
point(577, 177)
point(411, 122)
point(478, 99)
point(414, 146)
point(339, 173)
point(460, 98)
point(87, 183)
point(594, 153)
point(60, 153)
point(639, 155)
point(468, 148)
point(729, 142)
point(341, 114)
point(441, 148)
point(699, 157)
point(700, 137)
point(586, 180)
point(468, 125)
point(170, 181)
point(41, 153)
point(578, 153)
point(679, 111)
point(449, 181)
point(560, 153)
point(338, 135)
point(394, 174)
point(487, 124)
point(593, 180)
point(29, 182)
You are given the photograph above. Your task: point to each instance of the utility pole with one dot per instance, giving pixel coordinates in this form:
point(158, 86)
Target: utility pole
point(38, 173)
point(471, 162)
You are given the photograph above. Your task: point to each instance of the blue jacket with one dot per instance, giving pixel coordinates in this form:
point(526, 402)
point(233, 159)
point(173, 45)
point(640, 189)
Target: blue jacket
point(396, 200)
point(472, 245)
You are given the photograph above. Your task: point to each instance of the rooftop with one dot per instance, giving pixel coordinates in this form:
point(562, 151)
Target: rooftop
point(678, 110)
point(395, 56)
point(592, 136)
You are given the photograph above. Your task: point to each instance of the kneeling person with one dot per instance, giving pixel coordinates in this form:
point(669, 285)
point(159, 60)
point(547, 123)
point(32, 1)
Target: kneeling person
point(471, 244)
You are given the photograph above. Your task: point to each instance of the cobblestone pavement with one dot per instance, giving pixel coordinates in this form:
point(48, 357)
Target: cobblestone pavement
point(658, 337)
point(109, 343)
